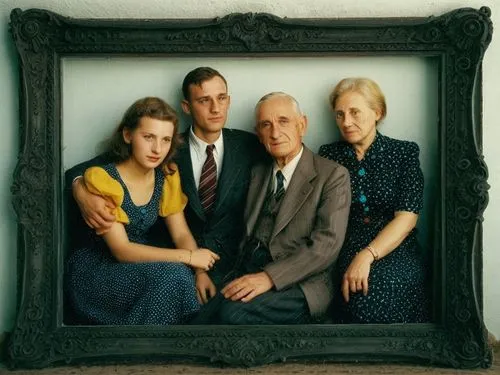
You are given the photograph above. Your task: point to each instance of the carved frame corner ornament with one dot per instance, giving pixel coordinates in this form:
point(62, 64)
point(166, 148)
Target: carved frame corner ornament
point(457, 338)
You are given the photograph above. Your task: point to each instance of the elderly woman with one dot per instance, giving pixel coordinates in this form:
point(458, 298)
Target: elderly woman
point(383, 275)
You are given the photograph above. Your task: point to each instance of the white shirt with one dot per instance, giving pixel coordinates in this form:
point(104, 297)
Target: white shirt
point(287, 170)
point(198, 151)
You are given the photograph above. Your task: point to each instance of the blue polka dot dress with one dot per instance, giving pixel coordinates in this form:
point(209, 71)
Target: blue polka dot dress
point(103, 291)
point(386, 180)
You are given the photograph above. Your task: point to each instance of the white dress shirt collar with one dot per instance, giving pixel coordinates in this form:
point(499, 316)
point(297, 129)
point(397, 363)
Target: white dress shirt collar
point(200, 146)
point(197, 150)
point(287, 170)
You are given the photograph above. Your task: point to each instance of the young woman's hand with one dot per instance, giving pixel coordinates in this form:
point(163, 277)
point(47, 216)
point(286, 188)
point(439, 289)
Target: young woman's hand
point(203, 258)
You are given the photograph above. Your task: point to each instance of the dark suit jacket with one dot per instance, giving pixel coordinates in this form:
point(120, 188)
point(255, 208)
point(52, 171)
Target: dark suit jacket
point(223, 230)
point(309, 228)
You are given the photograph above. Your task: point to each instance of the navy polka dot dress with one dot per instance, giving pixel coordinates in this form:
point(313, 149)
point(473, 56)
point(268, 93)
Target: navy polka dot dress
point(386, 180)
point(103, 291)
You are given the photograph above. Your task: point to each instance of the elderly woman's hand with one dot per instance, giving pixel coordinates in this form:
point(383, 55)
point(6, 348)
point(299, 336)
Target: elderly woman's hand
point(356, 277)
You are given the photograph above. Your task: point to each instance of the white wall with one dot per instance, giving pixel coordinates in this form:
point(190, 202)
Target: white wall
point(212, 8)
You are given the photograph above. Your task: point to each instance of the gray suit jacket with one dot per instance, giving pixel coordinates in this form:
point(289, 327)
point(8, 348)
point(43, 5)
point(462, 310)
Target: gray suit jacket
point(309, 228)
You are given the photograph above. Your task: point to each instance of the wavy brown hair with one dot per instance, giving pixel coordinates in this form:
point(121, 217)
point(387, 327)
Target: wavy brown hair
point(152, 107)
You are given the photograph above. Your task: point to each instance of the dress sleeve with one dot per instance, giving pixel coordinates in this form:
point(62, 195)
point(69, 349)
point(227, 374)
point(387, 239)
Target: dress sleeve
point(172, 200)
point(411, 183)
point(99, 182)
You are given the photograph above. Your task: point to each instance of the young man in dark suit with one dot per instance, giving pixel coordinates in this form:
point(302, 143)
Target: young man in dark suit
point(215, 205)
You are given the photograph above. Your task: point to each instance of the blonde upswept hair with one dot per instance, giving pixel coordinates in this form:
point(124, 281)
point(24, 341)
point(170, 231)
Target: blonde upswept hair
point(367, 88)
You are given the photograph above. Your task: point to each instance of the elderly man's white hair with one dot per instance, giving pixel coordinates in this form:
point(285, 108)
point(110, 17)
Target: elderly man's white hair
point(279, 94)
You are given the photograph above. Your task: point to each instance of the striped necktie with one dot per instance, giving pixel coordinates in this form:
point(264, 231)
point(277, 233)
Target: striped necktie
point(280, 187)
point(208, 181)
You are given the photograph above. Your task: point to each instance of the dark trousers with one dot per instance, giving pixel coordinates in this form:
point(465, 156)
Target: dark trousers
point(288, 306)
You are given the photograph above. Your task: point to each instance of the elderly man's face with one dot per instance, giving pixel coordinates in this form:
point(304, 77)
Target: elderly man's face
point(280, 128)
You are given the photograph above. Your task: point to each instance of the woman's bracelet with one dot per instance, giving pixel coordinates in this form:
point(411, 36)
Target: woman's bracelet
point(373, 252)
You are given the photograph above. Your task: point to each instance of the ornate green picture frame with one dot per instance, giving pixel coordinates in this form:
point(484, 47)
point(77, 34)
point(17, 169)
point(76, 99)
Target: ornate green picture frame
point(457, 337)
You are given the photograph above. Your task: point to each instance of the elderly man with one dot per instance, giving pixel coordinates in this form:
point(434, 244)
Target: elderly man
point(296, 216)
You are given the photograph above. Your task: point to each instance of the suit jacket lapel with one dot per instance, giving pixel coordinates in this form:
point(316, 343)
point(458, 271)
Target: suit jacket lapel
point(183, 159)
point(231, 168)
point(297, 192)
point(257, 192)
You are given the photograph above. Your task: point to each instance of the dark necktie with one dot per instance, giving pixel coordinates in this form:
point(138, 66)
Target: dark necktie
point(208, 181)
point(280, 187)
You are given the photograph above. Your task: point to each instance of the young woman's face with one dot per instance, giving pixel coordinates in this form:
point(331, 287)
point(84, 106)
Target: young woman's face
point(151, 141)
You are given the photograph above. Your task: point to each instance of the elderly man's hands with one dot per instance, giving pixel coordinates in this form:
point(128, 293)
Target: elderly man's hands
point(247, 287)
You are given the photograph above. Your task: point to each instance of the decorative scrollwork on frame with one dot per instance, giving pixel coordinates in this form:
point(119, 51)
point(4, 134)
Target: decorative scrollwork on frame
point(35, 33)
point(466, 186)
point(33, 29)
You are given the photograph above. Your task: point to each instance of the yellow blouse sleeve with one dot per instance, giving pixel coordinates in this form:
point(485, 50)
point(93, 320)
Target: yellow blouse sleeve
point(99, 182)
point(172, 200)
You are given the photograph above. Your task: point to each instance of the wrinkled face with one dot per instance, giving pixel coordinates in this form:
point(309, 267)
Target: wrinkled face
point(150, 141)
point(208, 105)
point(280, 128)
point(356, 120)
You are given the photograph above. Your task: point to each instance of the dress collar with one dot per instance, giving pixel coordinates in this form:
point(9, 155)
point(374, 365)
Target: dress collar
point(376, 146)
